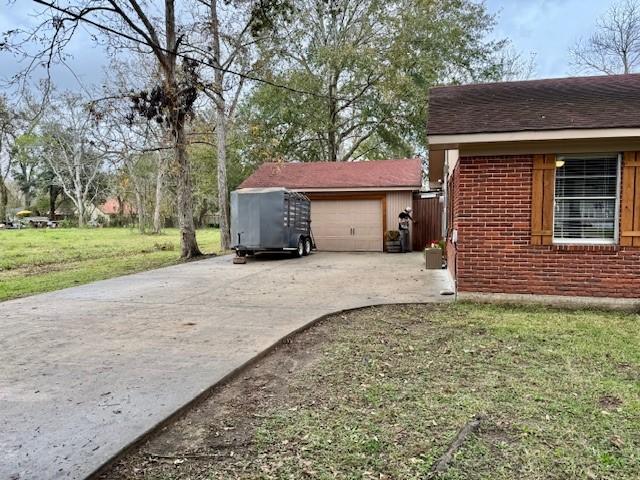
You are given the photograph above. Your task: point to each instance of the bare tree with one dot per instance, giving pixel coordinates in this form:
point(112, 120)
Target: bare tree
point(512, 65)
point(144, 27)
point(136, 143)
point(614, 47)
point(71, 154)
point(7, 136)
point(127, 140)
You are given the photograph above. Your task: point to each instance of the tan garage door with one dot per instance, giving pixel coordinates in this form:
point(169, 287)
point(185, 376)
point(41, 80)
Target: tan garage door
point(347, 225)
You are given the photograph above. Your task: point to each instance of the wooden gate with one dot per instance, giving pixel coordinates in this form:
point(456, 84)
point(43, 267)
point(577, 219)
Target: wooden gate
point(427, 213)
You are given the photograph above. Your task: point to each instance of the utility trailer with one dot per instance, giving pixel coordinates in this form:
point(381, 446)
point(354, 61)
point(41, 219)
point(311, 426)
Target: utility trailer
point(270, 220)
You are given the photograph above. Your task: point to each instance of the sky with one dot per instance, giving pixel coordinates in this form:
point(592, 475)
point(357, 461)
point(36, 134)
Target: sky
point(545, 28)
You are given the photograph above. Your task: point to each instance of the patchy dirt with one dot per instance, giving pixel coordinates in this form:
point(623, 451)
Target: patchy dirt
point(36, 269)
point(609, 402)
point(225, 423)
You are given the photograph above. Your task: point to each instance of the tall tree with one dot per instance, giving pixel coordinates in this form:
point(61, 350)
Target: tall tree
point(48, 183)
point(337, 50)
point(133, 25)
point(368, 65)
point(614, 46)
point(142, 147)
point(7, 135)
point(17, 127)
point(71, 154)
point(25, 165)
point(228, 48)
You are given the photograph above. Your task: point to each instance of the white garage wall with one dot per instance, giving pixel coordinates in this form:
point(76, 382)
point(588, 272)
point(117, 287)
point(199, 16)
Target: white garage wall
point(396, 202)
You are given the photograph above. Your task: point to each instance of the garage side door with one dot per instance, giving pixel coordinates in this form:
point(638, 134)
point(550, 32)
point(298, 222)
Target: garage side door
point(347, 225)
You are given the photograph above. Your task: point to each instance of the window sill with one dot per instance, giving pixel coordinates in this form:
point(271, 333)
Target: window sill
point(581, 247)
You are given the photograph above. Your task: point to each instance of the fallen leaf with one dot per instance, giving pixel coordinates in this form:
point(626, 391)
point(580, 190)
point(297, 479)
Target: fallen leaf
point(616, 441)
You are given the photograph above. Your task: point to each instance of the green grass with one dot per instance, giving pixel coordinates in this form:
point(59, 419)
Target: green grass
point(559, 391)
point(40, 260)
point(388, 389)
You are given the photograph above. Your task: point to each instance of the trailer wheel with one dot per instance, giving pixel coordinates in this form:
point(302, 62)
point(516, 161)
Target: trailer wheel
point(307, 246)
point(241, 253)
point(299, 251)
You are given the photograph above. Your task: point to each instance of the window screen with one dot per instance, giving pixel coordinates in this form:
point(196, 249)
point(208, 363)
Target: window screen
point(586, 198)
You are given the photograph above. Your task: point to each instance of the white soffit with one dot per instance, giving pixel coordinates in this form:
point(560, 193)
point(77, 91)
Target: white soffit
point(567, 134)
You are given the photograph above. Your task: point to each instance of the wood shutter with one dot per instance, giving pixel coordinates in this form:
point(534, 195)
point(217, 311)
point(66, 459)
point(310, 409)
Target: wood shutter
point(630, 201)
point(544, 174)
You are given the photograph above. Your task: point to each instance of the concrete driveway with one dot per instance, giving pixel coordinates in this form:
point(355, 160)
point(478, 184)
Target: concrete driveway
point(87, 370)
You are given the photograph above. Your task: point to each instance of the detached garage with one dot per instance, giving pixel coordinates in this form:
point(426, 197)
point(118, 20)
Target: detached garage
point(352, 203)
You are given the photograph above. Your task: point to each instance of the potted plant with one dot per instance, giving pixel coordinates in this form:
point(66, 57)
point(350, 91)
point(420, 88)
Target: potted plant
point(433, 255)
point(392, 242)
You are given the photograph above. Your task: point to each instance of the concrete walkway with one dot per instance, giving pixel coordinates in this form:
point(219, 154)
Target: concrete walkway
point(87, 370)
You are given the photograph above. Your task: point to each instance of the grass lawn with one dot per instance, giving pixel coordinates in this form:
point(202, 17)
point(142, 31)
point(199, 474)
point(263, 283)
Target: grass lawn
point(40, 260)
point(381, 393)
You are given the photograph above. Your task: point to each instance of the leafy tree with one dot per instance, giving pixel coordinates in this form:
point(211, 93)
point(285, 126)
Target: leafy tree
point(6, 143)
point(17, 127)
point(368, 65)
point(47, 183)
point(26, 165)
point(203, 152)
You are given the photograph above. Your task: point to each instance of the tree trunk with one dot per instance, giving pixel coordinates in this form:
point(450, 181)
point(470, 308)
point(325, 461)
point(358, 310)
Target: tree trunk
point(333, 119)
point(27, 199)
point(221, 130)
point(188, 243)
point(201, 215)
point(140, 211)
point(4, 200)
point(81, 213)
point(223, 194)
point(625, 63)
point(157, 220)
point(53, 196)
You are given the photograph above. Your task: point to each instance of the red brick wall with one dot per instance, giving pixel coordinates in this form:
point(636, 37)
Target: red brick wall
point(492, 210)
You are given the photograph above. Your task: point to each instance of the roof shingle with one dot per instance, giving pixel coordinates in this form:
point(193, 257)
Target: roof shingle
point(327, 175)
point(554, 104)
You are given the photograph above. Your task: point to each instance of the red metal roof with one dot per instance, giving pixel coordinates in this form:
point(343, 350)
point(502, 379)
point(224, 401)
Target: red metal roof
point(327, 175)
point(611, 101)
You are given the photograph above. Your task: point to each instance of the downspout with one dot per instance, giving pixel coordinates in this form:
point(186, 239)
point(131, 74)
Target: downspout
point(453, 237)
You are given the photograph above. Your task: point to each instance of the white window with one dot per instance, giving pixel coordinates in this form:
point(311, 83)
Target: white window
point(586, 199)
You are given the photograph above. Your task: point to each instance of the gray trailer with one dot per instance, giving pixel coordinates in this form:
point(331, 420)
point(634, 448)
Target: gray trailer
point(270, 219)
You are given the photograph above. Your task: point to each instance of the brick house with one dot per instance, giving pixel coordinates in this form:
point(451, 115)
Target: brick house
point(542, 185)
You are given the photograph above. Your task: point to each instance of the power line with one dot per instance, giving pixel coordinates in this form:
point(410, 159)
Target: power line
point(252, 78)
